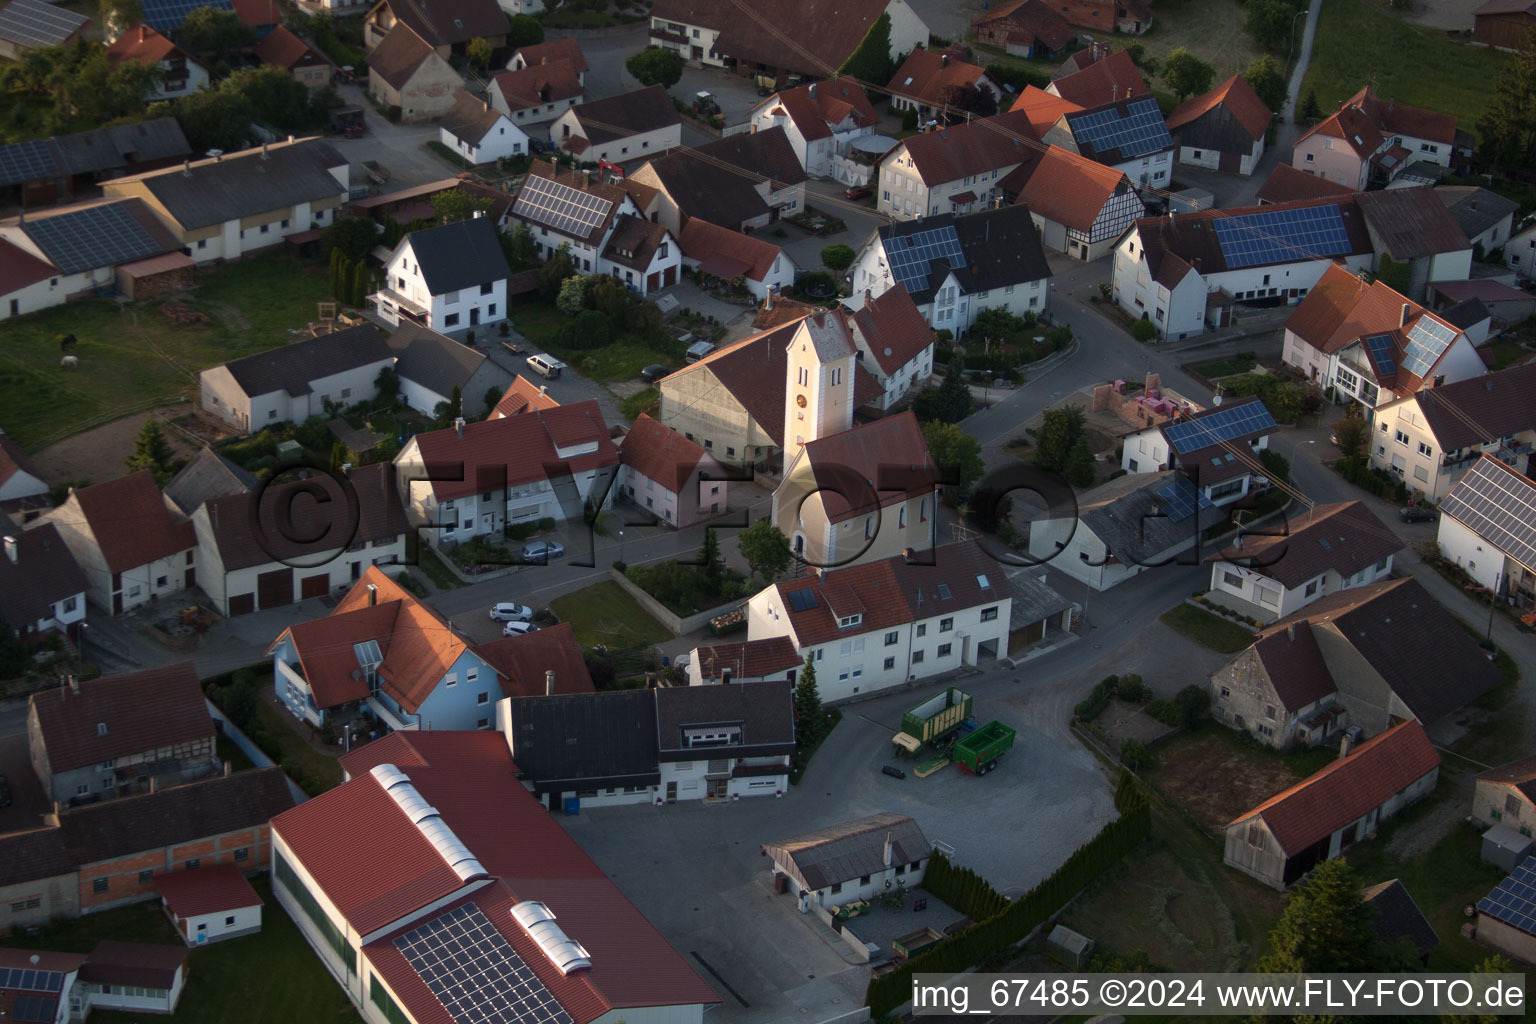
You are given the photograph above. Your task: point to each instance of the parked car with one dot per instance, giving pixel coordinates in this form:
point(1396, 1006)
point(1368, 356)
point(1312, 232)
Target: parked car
point(894, 772)
point(653, 373)
point(699, 349)
point(518, 628)
point(511, 611)
point(541, 551)
point(5, 792)
point(1417, 514)
point(545, 366)
point(857, 192)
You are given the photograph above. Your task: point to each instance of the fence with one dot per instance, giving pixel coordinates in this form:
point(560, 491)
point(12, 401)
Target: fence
point(678, 624)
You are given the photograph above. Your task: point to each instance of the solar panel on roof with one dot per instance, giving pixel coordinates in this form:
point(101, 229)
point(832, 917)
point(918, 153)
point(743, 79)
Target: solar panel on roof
point(1180, 499)
point(908, 255)
point(34, 24)
point(802, 600)
point(1514, 901)
point(31, 980)
point(1223, 425)
point(27, 161)
point(476, 974)
point(167, 15)
point(1427, 341)
point(1381, 352)
point(1281, 236)
point(97, 236)
point(1136, 131)
point(561, 207)
point(34, 1009)
point(1500, 507)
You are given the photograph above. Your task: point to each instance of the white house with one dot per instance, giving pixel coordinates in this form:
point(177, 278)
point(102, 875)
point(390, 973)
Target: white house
point(1217, 449)
point(953, 170)
point(41, 585)
point(1079, 207)
point(565, 51)
point(854, 860)
point(1520, 252)
point(1412, 226)
point(22, 488)
point(134, 976)
point(535, 95)
point(294, 382)
point(724, 254)
point(1484, 215)
point(210, 904)
point(618, 129)
point(429, 366)
point(447, 278)
point(1369, 142)
point(674, 479)
point(1128, 135)
point(479, 132)
point(749, 661)
point(819, 120)
point(884, 624)
point(926, 79)
point(1485, 527)
point(894, 342)
point(179, 72)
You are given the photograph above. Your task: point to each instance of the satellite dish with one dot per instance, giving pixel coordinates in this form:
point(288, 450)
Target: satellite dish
point(33, 959)
point(357, 673)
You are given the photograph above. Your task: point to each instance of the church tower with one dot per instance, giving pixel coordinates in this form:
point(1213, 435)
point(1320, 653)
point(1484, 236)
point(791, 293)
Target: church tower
point(818, 398)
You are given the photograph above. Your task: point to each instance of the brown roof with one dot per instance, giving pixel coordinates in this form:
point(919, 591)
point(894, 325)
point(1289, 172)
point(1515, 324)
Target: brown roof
point(780, 311)
point(444, 22)
point(1031, 20)
point(1063, 187)
point(538, 214)
point(659, 453)
point(44, 572)
point(399, 54)
point(1394, 118)
point(1412, 222)
point(132, 523)
point(703, 241)
point(634, 241)
point(1345, 537)
point(1351, 125)
point(753, 371)
point(1237, 96)
point(986, 144)
point(259, 13)
point(14, 459)
point(826, 32)
point(626, 114)
point(119, 716)
point(209, 890)
point(283, 49)
point(893, 328)
point(514, 450)
point(816, 106)
point(1506, 7)
point(555, 51)
point(34, 854)
point(1287, 183)
point(864, 451)
point(134, 963)
point(143, 44)
point(522, 396)
point(1109, 80)
point(1480, 409)
point(471, 117)
point(928, 76)
point(1295, 666)
point(19, 268)
point(537, 85)
point(522, 662)
point(1044, 109)
point(751, 659)
point(1520, 774)
point(724, 181)
point(1346, 789)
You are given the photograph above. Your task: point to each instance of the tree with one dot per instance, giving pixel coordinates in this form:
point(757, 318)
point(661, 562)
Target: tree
point(117, 15)
point(1394, 274)
point(353, 237)
point(1186, 74)
point(950, 402)
point(213, 33)
point(711, 565)
point(871, 60)
point(1351, 434)
point(990, 508)
point(1325, 926)
point(1143, 330)
point(521, 249)
point(573, 295)
point(960, 100)
point(554, 271)
point(479, 53)
point(837, 257)
point(1080, 463)
point(1270, 23)
point(1508, 127)
point(655, 66)
point(1493, 964)
point(1268, 80)
point(1310, 109)
point(1058, 433)
point(359, 289)
point(1137, 53)
point(213, 119)
point(956, 453)
point(765, 548)
point(387, 384)
point(455, 404)
point(808, 711)
point(455, 205)
point(524, 30)
point(153, 452)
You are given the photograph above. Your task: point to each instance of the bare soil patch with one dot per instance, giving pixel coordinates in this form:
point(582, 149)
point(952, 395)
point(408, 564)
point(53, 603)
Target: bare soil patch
point(1446, 14)
point(98, 455)
point(1215, 780)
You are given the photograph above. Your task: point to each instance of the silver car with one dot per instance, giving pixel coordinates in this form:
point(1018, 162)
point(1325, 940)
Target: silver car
point(540, 552)
point(511, 611)
point(518, 628)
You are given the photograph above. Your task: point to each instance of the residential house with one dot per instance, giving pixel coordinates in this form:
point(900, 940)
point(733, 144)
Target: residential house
point(1486, 217)
point(877, 625)
point(1217, 449)
point(1474, 305)
point(619, 129)
point(431, 367)
point(534, 95)
point(447, 26)
point(22, 488)
point(956, 267)
point(41, 585)
point(1504, 23)
point(1399, 919)
point(1370, 656)
point(437, 865)
point(26, 282)
point(207, 475)
point(1129, 16)
point(748, 661)
point(211, 904)
point(407, 74)
point(542, 663)
point(1440, 433)
point(283, 49)
point(382, 650)
point(741, 182)
point(47, 171)
point(179, 72)
point(1367, 141)
point(1286, 184)
point(1317, 819)
point(827, 33)
point(861, 859)
point(1109, 78)
point(1373, 346)
point(446, 278)
point(927, 79)
point(1222, 130)
point(1127, 135)
point(115, 736)
point(115, 852)
point(1189, 271)
point(895, 343)
point(1503, 920)
point(1506, 795)
point(478, 478)
point(596, 749)
point(669, 476)
point(565, 51)
point(1080, 207)
point(1025, 28)
point(1520, 251)
point(724, 742)
point(1411, 226)
point(1471, 316)
point(1485, 527)
point(132, 545)
point(522, 395)
point(820, 120)
point(641, 253)
point(953, 170)
point(28, 25)
point(1274, 571)
point(165, 16)
point(292, 383)
point(1037, 611)
point(726, 255)
point(480, 133)
point(225, 206)
point(338, 528)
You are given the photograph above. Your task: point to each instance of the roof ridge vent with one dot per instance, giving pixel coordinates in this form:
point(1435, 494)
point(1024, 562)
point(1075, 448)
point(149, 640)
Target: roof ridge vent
point(539, 922)
point(428, 821)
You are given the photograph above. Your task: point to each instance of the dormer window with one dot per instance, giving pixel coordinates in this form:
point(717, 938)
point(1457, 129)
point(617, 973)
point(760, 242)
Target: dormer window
point(101, 728)
point(849, 621)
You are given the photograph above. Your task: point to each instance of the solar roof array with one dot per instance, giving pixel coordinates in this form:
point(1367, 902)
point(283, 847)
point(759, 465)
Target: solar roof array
point(31, 980)
point(167, 15)
point(1180, 499)
point(1514, 901)
point(1500, 506)
point(97, 236)
point(561, 207)
point(35, 24)
point(1281, 236)
point(1427, 341)
point(908, 255)
point(34, 1009)
point(1218, 427)
point(1381, 352)
point(27, 161)
point(476, 974)
point(1137, 131)
point(802, 600)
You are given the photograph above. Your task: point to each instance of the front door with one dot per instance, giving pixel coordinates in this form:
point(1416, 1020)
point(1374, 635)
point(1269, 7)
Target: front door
point(191, 578)
point(474, 315)
point(698, 53)
point(672, 792)
point(669, 277)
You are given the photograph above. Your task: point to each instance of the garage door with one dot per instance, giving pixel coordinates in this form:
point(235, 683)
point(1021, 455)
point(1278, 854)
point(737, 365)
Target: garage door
point(315, 586)
point(274, 589)
point(669, 277)
point(242, 604)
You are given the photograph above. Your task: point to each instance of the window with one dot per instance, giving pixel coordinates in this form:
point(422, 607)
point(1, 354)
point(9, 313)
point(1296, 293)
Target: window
point(242, 854)
point(945, 625)
point(451, 320)
point(1425, 450)
point(1256, 834)
point(891, 638)
point(451, 679)
point(160, 581)
point(989, 614)
point(146, 876)
point(1512, 805)
point(922, 630)
point(99, 885)
point(485, 289)
point(70, 604)
point(482, 723)
point(1225, 692)
point(229, 922)
point(837, 887)
point(1400, 437)
point(943, 651)
point(194, 863)
point(1311, 588)
point(890, 663)
point(83, 789)
point(1269, 711)
point(917, 657)
point(1231, 579)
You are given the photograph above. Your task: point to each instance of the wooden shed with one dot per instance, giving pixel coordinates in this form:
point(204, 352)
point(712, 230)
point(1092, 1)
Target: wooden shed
point(156, 276)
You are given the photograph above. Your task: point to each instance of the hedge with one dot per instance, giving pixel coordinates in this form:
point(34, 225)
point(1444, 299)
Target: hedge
point(962, 888)
point(1019, 918)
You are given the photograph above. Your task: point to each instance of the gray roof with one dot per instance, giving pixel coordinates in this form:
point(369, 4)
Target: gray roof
point(1466, 313)
point(764, 710)
point(471, 119)
point(292, 367)
point(44, 572)
point(1123, 513)
point(1475, 209)
point(1033, 599)
point(246, 183)
point(34, 24)
point(1399, 917)
point(207, 475)
point(433, 361)
point(628, 113)
point(122, 145)
point(463, 254)
point(849, 850)
point(597, 739)
point(1496, 503)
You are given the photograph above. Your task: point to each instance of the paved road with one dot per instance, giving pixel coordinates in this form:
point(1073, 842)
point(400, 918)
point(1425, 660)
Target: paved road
point(1304, 58)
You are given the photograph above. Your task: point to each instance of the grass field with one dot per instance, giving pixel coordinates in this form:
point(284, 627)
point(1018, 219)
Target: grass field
point(1208, 630)
point(134, 358)
point(292, 749)
point(270, 976)
point(639, 402)
point(622, 359)
point(604, 614)
point(1359, 43)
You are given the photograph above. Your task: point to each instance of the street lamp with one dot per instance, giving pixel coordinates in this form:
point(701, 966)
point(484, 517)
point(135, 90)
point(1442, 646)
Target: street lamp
point(1493, 602)
point(621, 546)
point(1293, 36)
point(1296, 447)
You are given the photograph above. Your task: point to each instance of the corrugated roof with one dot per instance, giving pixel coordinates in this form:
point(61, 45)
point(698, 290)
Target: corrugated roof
point(850, 850)
point(1411, 222)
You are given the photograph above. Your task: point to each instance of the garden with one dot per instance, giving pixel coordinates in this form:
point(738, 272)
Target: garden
point(596, 325)
point(999, 344)
point(239, 695)
point(480, 555)
point(688, 588)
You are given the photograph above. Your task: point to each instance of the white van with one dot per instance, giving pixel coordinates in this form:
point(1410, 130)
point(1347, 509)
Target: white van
point(545, 366)
point(699, 349)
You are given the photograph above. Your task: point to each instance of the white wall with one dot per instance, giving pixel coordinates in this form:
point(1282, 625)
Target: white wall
point(1520, 253)
point(503, 139)
point(221, 924)
point(908, 31)
point(1458, 544)
point(620, 150)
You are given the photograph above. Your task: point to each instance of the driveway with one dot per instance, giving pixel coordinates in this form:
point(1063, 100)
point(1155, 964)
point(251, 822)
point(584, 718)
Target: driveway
point(606, 51)
point(398, 147)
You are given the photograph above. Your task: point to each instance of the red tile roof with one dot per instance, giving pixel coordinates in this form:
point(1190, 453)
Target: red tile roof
point(1063, 187)
point(1031, 20)
point(1352, 126)
point(19, 268)
point(523, 395)
point(986, 144)
point(927, 76)
point(555, 51)
point(1043, 109)
point(206, 891)
point(142, 44)
point(1399, 119)
point(539, 84)
point(1295, 666)
point(158, 707)
point(440, 748)
point(1287, 183)
point(522, 662)
point(702, 241)
point(1237, 96)
point(751, 659)
point(659, 453)
point(132, 523)
point(1109, 80)
point(521, 447)
point(895, 442)
point(816, 106)
point(285, 50)
point(892, 328)
point(259, 13)
point(1347, 789)
point(14, 459)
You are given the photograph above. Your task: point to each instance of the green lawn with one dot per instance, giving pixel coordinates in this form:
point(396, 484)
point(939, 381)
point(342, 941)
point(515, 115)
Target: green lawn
point(639, 402)
point(1240, 363)
point(270, 976)
point(430, 563)
point(604, 614)
point(238, 761)
point(621, 359)
point(133, 358)
point(1208, 630)
point(292, 751)
point(1359, 43)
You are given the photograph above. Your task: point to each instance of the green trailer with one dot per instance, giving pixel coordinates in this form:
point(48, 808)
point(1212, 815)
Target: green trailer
point(932, 721)
point(978, 752)
point(913, 943)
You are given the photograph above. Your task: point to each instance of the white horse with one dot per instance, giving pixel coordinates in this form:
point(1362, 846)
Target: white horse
point(69, 362)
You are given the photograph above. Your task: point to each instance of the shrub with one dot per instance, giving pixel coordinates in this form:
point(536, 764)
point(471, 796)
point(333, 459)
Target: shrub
point(1134, 754)
point(1164, 711)
point(602, 672)
point(1098, 700)
point(1143, 330)
point(546, 524)
point(1132, 690)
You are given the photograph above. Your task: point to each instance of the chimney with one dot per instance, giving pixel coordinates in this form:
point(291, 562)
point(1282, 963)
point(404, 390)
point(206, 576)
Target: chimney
point(226, 767)
point(154, 783)
point(458, 426)
point(10, 549)
point(1344, 745)
point(1473, 204)
point(543, 389)
point(943, 60)
point(1290, 632)
point(143, 35)
point(74, 686)
point(346, 469)
point(869, 296)
point(549, 683)
point(373, 594)
point(812, 89)
point(479, 214)
point(1402, 320)
point(186, 168)
point(264, 151)
point(586, 177)
point(887, 849)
